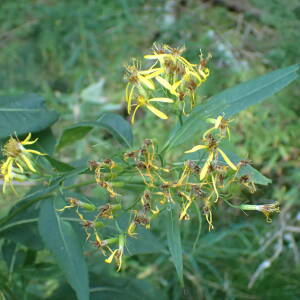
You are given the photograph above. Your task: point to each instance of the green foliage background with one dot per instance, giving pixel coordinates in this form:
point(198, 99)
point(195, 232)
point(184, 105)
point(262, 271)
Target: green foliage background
point(58, 48)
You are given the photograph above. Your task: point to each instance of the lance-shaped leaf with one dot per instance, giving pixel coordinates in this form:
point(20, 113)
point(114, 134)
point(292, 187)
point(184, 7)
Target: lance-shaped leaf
point(23, 114)
point(174, 239)
point(115, 124)
point(61, 239)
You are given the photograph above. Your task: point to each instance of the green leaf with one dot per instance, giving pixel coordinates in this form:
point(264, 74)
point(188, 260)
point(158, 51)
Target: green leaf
point(58, 165)
point(62, 241)
point(116, 288)
point(118, 127)
point(230, 102)
point(23, 114)
point(113, 288)
point(36, 194)
point(115, 124)
point(22, 228)
point(241, 96)
point(174, 239)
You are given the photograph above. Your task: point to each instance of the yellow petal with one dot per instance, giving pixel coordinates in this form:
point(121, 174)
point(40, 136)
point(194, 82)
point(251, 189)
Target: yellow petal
point(129, 99)
point(149, 71)
point(164, 83)
point(215, 187)
point(157, 112)
point(218, 121)
point(154, 74)
point(196, 75)
point(206, 165)
point(228, 161)
point(196, 148)
point(204, 73)
point(28, 137)
point(187, 63)
point(165, 100)
point(155, 56)
point(176, 85)
point(207, 132)
point(20, 167)
point(6, 164)
point(30, 142)
point(127, 92)
point(133, 115)
point(111, 257)
point(147, 82)
point(34, 151)
point(28, 163)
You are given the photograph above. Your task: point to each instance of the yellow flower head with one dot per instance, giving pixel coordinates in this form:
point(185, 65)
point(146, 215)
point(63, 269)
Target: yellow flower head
point(117, 254)
point(266, 209)
point(143, 101)
point(17, 158)
point(211, 145)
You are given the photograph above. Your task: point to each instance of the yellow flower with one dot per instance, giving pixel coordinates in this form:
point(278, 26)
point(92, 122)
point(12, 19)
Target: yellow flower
point(167, 52)
point(219, 123)
point(142, 101)
point(117, 254)
point(213, 149)
point(266, 209)
point(17, 158)
point(9, 174)
point(139, 79)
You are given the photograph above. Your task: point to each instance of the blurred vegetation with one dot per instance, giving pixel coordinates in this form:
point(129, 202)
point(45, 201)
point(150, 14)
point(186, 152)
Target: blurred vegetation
point(59, 48)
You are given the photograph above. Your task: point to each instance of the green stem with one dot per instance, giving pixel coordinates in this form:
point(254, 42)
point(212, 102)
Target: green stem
point(234, 206)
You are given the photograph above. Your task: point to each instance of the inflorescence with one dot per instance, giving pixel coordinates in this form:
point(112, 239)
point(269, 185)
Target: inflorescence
point(171, 79)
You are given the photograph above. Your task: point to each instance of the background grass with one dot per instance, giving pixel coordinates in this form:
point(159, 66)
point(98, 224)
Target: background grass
point(58, 48)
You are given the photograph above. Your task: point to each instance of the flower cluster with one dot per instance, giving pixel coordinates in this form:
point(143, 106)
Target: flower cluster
point(194, 182)
point(18, 160)
point(170, 74)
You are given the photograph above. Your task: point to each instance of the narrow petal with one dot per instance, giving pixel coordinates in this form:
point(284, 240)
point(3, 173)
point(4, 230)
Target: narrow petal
point(129, 99)
point(207, 132)
point(6, 164)
point(196, 148)
point(187, 63)
point(111, 257)
point(155, 56)
point(164, 100)
point(218, 121)
point(30, 142)
point(206, 165)
point(147, 82)
point(215, 187)
point(176, 85)
point(157, 112)
point(228, 161)
point(149, 71)
point(134, 112)
point(164, 83)
point(34, 152)
point(127, 92)
point(196, 75)
point(28, 137)
point(20, 167)
point(154, 74)
point(28, 163)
